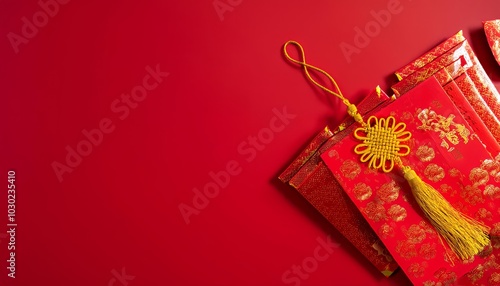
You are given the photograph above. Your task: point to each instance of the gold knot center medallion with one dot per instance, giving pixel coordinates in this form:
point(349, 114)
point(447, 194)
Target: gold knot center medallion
point(381, 143)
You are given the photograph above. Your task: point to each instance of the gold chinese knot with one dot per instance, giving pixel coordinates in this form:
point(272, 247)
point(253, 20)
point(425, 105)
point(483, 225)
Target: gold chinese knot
point(381, 142)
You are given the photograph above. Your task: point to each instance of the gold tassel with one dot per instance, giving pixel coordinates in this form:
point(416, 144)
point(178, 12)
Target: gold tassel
point(465, 236)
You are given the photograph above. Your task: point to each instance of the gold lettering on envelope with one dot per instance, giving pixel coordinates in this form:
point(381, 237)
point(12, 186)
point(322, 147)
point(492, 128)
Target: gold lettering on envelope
point(450, 133)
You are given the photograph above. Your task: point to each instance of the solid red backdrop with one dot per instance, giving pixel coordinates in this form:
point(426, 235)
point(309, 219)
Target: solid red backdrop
point(118, 114)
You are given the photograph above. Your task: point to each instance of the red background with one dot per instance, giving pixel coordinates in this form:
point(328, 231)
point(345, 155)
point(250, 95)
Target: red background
point(118, 210)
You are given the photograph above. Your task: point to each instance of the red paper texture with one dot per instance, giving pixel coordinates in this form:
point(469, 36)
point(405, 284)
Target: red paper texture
point(312, 179)
point(446, 154)
point(492, 30)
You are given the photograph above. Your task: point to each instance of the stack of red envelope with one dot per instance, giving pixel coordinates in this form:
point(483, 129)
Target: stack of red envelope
point(452, 108)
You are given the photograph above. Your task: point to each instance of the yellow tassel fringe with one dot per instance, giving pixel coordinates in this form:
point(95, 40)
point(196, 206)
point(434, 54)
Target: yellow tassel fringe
point(465, 236)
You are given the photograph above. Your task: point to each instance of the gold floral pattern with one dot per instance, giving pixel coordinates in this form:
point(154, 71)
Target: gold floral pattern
point(415, 234)
point(388, 192)
point(478, 176)
point(428, 229)
point(492, 191)
point(476, 274)
point(427, 251)
point(350, 169)
point(445, 277)
point(495, 242)
point(406, 249)
point(362, 191)
point(333, 154)
point(494, 279)
point(483, 214)
point(495, 229)
point(434, 172)
point(472, 195)
point(386, 231)
point(447, 189)
point(425, 153)
point(397, 213)
point(417, 270)
point(454, 172)
point(491, 166)
point(375, 211)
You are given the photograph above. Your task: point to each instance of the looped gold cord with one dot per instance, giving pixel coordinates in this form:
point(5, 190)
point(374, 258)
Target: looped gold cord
point(351, 108)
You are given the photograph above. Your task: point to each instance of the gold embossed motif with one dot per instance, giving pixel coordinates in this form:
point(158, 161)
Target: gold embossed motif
point(449, 131)
point(350, 169)
point(427, 251)
point(386, 231)
point(397, 213)
point(362, 191)
point(388, 192)
point(375, 211)
point(478, 176)
point(425, 153)
point(406, 249)
point(434, 172)
point(417, 270)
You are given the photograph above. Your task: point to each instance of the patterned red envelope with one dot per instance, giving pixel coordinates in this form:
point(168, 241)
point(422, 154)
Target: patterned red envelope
point(456, 61)
point(475, 84)
point(447, 155)
point(476, 122)
point(430, 55)
point(488, 272)
point(312, 179)
point(492, 30)
point(481, 118)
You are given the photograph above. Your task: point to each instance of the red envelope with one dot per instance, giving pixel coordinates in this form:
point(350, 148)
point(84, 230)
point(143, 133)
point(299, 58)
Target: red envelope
point(447, 155)
point(312, 179)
